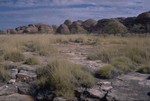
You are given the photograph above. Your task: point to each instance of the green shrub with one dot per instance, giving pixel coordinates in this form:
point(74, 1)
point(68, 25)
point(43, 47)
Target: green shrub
point(123, 64)
point(32, 61)
point(62, 77)
point(145, 69)
point(107, 72)
point(15, 56)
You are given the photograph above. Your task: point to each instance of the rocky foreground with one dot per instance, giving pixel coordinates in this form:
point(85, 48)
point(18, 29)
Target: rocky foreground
point(127, 87)
point(139, 24)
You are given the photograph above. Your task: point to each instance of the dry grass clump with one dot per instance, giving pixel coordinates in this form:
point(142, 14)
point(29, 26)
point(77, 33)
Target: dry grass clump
point(145, 68)
point(32, 61)
point(3, 73)
point(124, 54)
point(63, 77)
point(15, 56)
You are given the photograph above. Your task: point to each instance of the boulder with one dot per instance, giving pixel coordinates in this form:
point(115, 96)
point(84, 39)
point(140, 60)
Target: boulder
point(45, 95)
point(8, 90)
point(16, 97)
point(95, 93)
point(144, 21)
point(24, 75)
point(77, 28)
point(144, 17)
point(129, 21)
point(68, 22)
point(25, 88)
point(110, 26)
point(31, 30)
point(89, 24)
point(12, 73)
point(63, 29)
point(59, 99)
point(45, 29)
point(11, 31)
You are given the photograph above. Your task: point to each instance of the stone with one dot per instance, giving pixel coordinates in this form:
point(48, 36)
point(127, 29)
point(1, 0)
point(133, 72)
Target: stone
point(130, 87)
point(45, 95)
point(89, 24)
point(95, 93)
point(12, 81)
point(23, 88)
point(110, 26)
point(16, 97)
point(27, 68)
point(59, 99)
point(63, 29)
point(26, 75)
point(68, 22)
point(8, 90)
point(76, 27)
point(11, 31)
point(13, 73)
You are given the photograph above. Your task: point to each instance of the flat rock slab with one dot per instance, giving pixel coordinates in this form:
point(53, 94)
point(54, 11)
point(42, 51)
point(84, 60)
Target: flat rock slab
point(16, 97)
point(26, 75)
point(13, 73)
point(130, 87)
point(7, 90)
point(27, 68)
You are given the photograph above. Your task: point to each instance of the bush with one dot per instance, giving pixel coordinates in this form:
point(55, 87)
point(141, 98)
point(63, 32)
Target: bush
point(32, 61)
point(107, 72)
point(145, 69)
point(62, 77)
point(123, 64)
point(15, 56)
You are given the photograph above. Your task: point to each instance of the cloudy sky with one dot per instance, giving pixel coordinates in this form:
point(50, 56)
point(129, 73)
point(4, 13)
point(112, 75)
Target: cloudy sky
point(14, 13)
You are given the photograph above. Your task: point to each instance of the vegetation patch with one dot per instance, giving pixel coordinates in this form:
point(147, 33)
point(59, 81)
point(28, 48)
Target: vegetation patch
point(145, 69)
point(32, 61)
point(107, 72)
point(15, 56)
point(63, 77)
point(3, 73)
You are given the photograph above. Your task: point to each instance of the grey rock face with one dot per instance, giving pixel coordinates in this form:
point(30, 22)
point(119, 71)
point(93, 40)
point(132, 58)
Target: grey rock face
point(130, 87)
point(16, 97)
point(26, 75)
point(13, 73)
point(8, 90)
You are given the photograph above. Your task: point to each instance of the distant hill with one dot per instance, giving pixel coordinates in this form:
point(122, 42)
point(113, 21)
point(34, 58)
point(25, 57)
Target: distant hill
point(139, 24)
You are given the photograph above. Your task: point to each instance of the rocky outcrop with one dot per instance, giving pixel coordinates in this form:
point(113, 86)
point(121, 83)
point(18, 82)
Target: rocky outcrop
point(139, 24)
point(89, 24)
point(43, 28)
point(68, 22)
point(76, 27)
point(16, 97)
point(130, 87)
point(110, 26)
point(63, 29)
point(11, 31)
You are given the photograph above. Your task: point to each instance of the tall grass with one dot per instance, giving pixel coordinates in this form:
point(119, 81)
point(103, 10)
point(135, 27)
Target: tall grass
point(63, 76)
